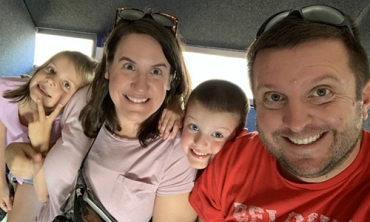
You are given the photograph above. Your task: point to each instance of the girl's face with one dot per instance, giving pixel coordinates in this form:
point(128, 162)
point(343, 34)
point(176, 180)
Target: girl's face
point(56, 83)
point(139, 77)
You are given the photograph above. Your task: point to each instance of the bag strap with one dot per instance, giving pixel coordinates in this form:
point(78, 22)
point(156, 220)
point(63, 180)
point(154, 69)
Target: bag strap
point(83, 161)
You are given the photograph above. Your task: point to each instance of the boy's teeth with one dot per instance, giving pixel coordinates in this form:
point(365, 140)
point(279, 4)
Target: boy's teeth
point(305, 141)
point(200, 154)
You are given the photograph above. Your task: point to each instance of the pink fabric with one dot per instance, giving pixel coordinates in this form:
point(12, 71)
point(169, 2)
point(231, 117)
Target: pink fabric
point(243, 183)
point(16, 132)
point(124, 176)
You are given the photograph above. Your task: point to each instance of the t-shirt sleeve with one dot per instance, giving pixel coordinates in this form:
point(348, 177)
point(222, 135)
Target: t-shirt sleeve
point(178, 176)
point(206, 195)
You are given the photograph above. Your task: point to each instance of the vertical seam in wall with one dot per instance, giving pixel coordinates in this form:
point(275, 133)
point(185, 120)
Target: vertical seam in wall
point(33, 21)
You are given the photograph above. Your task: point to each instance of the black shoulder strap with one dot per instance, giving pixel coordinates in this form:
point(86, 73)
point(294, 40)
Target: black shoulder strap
point(83, 161)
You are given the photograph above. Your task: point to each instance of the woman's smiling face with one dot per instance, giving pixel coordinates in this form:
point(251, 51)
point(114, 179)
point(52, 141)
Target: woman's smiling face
point(139, 77)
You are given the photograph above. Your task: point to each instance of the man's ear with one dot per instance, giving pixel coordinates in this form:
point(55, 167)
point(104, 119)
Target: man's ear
point(366, 100)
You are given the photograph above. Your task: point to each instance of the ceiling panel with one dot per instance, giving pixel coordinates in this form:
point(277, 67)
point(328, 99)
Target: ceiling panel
point(230, 24)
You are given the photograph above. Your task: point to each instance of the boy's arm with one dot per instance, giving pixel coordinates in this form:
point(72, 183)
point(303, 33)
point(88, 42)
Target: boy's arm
point(171, 119)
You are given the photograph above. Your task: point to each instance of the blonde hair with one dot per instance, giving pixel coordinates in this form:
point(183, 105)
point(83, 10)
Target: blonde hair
point(84, 65)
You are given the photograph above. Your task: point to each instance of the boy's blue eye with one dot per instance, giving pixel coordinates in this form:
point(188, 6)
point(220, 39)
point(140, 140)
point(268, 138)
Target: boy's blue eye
point(218, 135)
point(193, 127)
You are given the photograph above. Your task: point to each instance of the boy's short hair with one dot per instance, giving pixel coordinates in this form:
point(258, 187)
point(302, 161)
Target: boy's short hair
point(222, 96)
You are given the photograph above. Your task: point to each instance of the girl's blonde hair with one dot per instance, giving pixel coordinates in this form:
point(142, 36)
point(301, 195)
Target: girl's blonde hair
point(84, 65)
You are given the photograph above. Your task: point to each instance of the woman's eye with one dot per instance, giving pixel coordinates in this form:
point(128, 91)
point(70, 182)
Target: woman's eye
point(129, 67)
point(66, 85)
point(193, 127)
point(322, 92)
point(156, 72)
point(218, 135)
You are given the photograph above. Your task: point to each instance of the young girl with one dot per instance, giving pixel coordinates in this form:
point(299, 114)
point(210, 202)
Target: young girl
point(53, 84)
point(215, 113)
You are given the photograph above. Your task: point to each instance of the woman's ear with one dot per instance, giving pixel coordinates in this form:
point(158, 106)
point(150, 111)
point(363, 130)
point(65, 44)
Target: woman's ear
point(106, 74)
point(366, 100)
point(172, 77)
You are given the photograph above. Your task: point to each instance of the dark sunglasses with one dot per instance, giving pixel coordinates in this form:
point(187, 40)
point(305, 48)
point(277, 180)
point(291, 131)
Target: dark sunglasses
point(131, 14)
point(316, 13)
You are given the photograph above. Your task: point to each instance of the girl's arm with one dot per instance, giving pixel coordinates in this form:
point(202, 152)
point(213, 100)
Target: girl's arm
point(6, 202)
point(39, 131)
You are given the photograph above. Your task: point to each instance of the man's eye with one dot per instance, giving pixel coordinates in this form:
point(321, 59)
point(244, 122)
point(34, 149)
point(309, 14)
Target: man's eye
point(218, 135)
point(321, 92)
point(193, 127)
point(67, 85)
point(273, 97)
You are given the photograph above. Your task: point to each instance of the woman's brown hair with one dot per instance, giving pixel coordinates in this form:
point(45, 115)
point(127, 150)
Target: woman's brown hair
point(100, 109)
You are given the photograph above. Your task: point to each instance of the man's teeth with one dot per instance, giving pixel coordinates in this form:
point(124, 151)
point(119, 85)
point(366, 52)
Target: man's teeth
point(305, 141)
point(200, 154)
point(137, 100)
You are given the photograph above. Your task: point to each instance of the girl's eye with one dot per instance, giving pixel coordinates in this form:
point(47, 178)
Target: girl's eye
point(218, 135)
point(66, 85)
point(156, 72)
point(193, 127)
point(129, 67)
point(322, 92)
point(51, 70)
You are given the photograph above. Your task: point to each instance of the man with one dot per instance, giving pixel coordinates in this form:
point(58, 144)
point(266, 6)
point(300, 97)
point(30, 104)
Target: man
point(311, 159)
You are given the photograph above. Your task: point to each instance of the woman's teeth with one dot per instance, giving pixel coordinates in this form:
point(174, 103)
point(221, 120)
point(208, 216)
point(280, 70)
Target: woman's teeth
point(137, 100)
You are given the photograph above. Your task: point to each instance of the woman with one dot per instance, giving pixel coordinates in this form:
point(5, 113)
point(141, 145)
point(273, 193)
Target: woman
point(132, 172)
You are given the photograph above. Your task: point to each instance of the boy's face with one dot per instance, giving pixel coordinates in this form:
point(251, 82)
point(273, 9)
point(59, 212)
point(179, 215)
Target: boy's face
point(205, 132)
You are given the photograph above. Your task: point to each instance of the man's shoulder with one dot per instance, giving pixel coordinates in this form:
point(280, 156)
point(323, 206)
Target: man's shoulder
point(247, 145)
point(245, 141)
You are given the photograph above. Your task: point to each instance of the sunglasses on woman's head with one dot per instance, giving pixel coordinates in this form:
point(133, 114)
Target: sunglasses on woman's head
point(131, 14)
point(316, 13)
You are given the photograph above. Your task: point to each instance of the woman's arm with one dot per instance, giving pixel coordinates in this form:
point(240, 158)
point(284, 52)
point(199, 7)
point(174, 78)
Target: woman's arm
point(173, 208)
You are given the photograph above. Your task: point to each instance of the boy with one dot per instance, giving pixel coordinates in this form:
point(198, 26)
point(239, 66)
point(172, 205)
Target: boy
point(215, 113)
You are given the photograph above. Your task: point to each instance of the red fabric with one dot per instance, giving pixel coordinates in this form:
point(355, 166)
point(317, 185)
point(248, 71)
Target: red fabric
point(243, 184)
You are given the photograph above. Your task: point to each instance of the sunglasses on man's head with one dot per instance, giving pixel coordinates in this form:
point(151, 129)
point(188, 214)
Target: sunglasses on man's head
point(131, 14)
point(316, 13)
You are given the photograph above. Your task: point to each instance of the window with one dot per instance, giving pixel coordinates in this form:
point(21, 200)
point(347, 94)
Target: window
point(50, 42)
point(205, 64)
